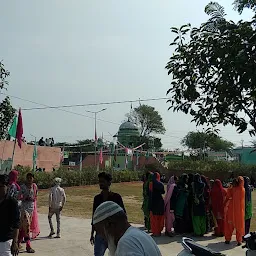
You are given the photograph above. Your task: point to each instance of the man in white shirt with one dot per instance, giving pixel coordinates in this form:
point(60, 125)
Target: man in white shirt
point(57, 200)
point(110, 221)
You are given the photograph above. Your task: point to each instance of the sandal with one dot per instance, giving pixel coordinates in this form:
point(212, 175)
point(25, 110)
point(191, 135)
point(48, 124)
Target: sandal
point(30, 250)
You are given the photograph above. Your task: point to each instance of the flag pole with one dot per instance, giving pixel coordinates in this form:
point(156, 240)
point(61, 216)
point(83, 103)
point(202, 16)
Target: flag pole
point(13, 152)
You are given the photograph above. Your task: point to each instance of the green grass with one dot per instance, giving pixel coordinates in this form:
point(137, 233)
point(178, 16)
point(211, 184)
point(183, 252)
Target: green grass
point(80, 200)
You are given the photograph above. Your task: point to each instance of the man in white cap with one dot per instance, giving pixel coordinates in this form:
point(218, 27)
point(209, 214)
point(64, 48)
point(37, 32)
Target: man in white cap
point(110, 221)
point(57, 199)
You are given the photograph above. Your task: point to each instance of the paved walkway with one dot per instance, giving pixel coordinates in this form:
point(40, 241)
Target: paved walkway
point(76, 235)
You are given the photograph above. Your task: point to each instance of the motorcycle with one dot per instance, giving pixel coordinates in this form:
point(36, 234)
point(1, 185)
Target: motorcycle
point(192, 248)
point(250, 244)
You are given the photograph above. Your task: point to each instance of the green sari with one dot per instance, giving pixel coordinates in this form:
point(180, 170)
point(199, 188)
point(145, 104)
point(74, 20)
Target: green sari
point(145, 205)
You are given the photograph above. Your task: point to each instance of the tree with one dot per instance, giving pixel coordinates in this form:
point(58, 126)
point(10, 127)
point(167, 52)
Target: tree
point(148, 120)
point(157, 143)
point(213, 71)
point(204, 140)
point(7, 112)
point(81, 145)
point(240, 5)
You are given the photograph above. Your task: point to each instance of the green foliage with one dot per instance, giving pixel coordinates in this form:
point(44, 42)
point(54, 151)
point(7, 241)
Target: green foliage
point(157, 142)
point(71, 178)
point(216, 169)
point(148, 120)
point(213, 73)
point(81, 145)
point(204, 140)
point(6, 110)
point(240, 5)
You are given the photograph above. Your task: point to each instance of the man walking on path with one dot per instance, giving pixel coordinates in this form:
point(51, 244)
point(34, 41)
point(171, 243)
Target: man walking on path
point(57, 200)
point(9, 221)
point(100, 245)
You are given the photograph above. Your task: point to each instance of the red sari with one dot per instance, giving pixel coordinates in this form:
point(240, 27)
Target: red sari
point(218, 195)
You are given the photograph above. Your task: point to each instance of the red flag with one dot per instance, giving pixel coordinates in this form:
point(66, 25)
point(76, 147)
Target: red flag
point(115, 155)
point(101, 156)
point(19, 132)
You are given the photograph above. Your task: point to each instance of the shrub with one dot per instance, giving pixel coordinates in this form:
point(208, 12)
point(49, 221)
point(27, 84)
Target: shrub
point(212, 169)
point(87, 176)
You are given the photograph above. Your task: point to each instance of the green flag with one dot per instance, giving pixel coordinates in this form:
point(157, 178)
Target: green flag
point(34, 156)
point(13, 129)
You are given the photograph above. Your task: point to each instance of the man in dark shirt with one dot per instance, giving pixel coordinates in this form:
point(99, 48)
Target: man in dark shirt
point(100, 245)
point(9, 221)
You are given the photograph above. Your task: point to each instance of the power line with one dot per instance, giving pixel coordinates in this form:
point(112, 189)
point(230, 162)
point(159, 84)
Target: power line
point(63, 110)
point(83, 105)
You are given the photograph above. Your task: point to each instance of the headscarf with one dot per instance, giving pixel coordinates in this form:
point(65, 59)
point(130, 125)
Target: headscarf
point(170, 182)
point(240, 182)
point(182, 183)
point(157, 176)
point(106, 210)
point(13, 178)
point(198, 185)
point(207, 190)
point(218, 194)
point(248, 192)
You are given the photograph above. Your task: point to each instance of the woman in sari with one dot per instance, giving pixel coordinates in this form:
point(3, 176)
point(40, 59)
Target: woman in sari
point(169, 208)
point(207, 190)
point(145, 205)
point(156, 205)
point(234, 212)
point(198, 208)
point(181, 208)
point(14, 188)
point(28, 195)
point(248, 204)
point(218, 195)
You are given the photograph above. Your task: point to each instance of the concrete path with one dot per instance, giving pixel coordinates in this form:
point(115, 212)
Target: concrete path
point(76, 234)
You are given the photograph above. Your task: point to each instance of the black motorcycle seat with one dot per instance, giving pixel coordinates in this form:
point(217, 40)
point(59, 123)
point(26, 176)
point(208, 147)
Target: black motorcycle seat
point(200, 250)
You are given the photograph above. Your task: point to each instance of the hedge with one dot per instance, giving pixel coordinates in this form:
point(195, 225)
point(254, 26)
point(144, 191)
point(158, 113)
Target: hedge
point(212, 169)
point(87, 176)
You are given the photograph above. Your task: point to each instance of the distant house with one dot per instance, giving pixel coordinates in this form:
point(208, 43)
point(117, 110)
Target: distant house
point(245, 155)
point(220, 156)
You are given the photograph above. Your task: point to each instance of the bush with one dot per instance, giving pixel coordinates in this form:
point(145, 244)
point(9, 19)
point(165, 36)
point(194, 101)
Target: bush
point(212, 169)
point(87, 176)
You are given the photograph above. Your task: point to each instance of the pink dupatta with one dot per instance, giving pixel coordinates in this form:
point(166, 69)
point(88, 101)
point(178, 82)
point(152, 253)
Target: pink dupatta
point(34, 228)
point(169, 217)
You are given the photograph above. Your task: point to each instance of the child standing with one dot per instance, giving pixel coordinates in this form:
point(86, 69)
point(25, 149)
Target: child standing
point(57, 199)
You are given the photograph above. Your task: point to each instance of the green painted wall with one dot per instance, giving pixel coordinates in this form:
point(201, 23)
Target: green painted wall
point(245, 155)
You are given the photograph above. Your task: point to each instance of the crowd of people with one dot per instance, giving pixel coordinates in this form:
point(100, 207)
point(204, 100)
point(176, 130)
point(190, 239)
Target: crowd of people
point(18, 212)
point(195, 204)
point(191, 204)
point(48, 142)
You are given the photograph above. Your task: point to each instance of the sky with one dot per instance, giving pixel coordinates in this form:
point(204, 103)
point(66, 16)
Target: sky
point(62, 52)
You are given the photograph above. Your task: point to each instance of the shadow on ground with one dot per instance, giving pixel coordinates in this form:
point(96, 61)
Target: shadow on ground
point(178, 238)
point(221, 246)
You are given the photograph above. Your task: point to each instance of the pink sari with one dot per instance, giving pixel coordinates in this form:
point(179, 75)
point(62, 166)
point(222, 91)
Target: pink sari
point(35, 230)
point(169, 216)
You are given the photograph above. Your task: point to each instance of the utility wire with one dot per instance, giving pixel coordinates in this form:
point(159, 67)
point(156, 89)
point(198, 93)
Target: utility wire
point(63, 110)
point(82, 105)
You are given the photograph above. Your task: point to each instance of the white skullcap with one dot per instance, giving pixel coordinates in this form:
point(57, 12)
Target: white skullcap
point(105, 210)
point(57, 180)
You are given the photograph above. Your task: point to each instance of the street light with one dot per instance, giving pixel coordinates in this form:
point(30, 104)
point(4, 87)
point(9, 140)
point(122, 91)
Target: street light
point(95, 131)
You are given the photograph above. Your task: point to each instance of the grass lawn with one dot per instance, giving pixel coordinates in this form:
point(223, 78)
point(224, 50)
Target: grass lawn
point(80, 200)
